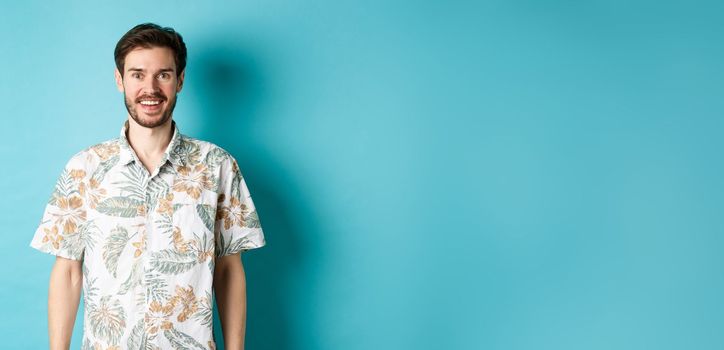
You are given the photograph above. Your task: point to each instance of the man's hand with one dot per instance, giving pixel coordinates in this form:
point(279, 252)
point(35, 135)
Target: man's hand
point(66, 280)
point(230, 290)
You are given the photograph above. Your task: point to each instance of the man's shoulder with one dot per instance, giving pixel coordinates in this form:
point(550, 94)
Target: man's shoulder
point(208, 150)
point(94, 154)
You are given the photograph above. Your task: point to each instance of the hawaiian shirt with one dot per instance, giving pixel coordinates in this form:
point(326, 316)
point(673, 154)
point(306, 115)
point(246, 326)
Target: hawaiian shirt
point(148, 241)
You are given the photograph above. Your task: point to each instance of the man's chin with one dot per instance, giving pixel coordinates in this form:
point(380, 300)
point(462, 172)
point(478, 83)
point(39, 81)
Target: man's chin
point(151, 120)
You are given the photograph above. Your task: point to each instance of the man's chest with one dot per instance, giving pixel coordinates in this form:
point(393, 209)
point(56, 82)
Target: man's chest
point(161, 222)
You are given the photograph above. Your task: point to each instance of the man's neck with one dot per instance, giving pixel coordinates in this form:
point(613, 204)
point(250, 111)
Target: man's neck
point(149, 143)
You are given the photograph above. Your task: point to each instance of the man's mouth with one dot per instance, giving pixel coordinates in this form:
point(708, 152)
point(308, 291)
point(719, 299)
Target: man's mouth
point(150, 104)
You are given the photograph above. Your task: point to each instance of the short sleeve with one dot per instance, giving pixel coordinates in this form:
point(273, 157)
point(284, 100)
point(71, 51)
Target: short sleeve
point(237, 227)
point(63, 223)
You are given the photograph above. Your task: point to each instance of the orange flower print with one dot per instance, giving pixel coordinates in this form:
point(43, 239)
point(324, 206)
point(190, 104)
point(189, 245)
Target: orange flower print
point(187, 299)
point(233, 214)
point(165, 205)
point(193, 180)
point(140, 246)
point(92, 192)
point(220, 205)
point(178, 241)
point(203, 255)
point(202, 252)
point(141, 210)
point(71, 212)
point(157, 317)
point(77, 174)
point(234, 167)
point(106, 150)
point(51, 235)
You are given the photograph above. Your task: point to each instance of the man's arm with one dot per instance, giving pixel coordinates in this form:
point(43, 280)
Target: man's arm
point(230, 290)
point(66, 280)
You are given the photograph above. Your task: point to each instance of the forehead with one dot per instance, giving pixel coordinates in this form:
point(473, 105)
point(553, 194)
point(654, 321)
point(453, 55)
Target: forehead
point(152, 58)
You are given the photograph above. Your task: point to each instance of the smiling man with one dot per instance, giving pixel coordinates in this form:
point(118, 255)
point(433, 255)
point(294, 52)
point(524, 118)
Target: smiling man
point(150, 224)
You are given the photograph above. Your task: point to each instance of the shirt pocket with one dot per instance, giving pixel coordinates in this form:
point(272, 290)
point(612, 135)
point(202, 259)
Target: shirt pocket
point(193, 224)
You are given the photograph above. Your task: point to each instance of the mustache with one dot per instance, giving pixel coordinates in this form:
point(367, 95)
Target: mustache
point(157, 96)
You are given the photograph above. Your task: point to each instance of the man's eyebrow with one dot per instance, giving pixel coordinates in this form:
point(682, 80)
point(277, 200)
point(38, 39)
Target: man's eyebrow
point(162, 70)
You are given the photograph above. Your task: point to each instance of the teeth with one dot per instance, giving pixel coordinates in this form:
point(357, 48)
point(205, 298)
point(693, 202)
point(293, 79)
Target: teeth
point(150, 103)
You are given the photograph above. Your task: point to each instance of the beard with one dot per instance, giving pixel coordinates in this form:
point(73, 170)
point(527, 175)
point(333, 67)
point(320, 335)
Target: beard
point(150, 123)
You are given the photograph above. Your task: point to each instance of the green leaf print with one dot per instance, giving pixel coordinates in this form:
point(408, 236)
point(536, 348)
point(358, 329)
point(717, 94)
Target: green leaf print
point(156, 287)
point(104, 167)
point(215, 157)
point(64, 187)
point(182, 341)
point(235, 185)
point(88, 230)
point(207, 213)
point(238, 245)
point(89, 289)
point(137, 339)
point(252, 220)
point(73, 245)
point(119, 206)
point(206, 312)
point(81, 240)
point(107, 319)
point(133, 186)
point(113, 248)
point(232, 246)
point(157, 189)
point(164, 223)
point(220, 244)
point(133, 277)
point(169, 261)
point(187, 149)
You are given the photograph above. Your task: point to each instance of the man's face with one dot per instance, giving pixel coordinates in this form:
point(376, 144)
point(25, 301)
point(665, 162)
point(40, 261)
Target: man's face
point(149, 85)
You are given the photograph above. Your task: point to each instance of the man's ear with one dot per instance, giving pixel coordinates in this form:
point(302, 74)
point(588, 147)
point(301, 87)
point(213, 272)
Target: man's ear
point(180, 84)
point(119, 80)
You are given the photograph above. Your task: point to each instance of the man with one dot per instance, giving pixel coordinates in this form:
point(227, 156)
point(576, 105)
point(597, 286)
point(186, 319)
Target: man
point(151, 224)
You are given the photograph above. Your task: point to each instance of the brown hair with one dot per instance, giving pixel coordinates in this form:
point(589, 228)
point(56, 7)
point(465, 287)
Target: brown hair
point(148, 35)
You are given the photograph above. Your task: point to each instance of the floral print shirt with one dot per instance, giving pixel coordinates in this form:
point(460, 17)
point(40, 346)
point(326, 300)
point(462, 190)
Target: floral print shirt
point(148, 241)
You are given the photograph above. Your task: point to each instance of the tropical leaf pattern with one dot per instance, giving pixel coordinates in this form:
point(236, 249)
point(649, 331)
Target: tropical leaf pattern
point(206, 213)
point(107, 319)
point(115, 244)
point(172, 262)
point(126, 207)
point(181, 340)
point(149, 240)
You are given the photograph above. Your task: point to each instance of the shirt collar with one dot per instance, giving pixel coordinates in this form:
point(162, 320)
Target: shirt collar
point(171, 154)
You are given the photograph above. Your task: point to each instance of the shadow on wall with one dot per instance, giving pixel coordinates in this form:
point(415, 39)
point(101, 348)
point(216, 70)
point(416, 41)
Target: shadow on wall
point(232, 89)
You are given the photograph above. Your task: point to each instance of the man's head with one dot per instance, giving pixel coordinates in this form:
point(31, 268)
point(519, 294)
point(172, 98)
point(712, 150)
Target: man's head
point(150, 69)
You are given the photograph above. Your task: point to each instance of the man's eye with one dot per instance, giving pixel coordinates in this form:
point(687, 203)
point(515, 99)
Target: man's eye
point(136, 75)
point(163, 76)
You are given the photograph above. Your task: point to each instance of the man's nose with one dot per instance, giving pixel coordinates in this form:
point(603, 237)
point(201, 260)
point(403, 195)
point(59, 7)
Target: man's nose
point(151, 86)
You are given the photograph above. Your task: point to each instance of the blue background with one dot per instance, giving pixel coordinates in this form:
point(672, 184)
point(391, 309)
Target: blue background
point(429, 175)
